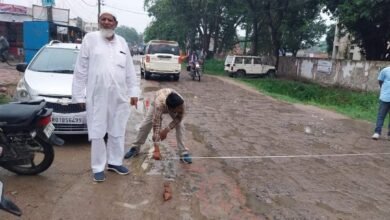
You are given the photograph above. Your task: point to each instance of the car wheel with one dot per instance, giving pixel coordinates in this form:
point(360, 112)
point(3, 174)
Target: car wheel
point(147, 75)
point(271, 74)
point(176, 77)
point(240, 73)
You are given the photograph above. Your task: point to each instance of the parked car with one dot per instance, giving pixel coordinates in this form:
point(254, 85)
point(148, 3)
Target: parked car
point(240, 66)
point(49, 76)
point(161, 58)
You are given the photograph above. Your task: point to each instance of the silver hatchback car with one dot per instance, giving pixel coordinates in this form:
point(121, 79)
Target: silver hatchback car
point(49, 76)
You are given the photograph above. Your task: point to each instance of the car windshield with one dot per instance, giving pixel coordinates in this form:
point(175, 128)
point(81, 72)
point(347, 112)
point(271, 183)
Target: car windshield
point(163, 48)
point(57, 60)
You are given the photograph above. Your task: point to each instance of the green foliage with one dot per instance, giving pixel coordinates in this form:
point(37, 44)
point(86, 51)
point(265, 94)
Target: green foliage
point(302, 27)
point(367, 20)
point(130, 35)
point(270, 25)
point(194, 23)
point(4, 99)
point(170, 21)
point(322, 46)
point(214, 67)
point(360, 105)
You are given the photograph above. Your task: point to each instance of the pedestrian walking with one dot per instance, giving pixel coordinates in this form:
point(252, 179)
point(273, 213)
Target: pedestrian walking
point(384, 102)
point(105, 71)
point(166, 101)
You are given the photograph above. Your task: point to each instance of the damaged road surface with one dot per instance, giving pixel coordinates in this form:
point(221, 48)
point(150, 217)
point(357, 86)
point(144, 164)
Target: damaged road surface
point(254, 158)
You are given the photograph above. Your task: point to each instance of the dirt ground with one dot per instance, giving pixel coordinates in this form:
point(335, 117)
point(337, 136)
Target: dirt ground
point(254, 158)
point(351, 180)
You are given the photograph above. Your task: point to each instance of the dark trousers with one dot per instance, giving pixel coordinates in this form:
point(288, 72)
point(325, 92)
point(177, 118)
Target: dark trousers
point(384, 108)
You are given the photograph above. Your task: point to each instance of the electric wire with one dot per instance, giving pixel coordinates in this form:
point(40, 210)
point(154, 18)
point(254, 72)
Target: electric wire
point(126, 10)
point(89, 3)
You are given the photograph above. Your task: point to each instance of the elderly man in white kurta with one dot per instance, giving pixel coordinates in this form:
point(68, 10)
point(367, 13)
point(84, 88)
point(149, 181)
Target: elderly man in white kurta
point(105, 79)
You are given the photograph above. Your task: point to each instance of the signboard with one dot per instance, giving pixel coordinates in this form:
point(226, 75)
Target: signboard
point(62, 30)
point(324, 66)
point(48, 3)
point(13, 9)
point(60, 16)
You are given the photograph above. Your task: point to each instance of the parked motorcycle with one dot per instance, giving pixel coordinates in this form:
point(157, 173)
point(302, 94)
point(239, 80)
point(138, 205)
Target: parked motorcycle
point(6, 204)
point(26, 137)
point(195, 71)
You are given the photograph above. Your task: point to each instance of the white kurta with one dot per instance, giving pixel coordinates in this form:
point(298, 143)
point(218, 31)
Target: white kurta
point(105, 79)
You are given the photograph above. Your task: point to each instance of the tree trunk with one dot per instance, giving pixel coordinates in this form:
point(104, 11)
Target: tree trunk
point(246, 38)
point(255, 36)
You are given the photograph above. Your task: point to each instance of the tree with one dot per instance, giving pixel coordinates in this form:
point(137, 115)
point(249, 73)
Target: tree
point(367, 20)
point(330, 38)
point(270, 24)
point(130, 34)
point(193, 23)
point(170, 21)
point(303, 27)
point(290, 19)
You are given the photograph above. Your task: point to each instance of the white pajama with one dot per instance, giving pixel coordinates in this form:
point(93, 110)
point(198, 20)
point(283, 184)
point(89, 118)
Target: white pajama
point(112, 153)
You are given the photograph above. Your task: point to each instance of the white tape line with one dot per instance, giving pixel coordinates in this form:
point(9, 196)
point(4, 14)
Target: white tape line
point(132, 206)
point(290, 156)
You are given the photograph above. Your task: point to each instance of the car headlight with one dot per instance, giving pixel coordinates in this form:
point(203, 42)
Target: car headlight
point(22, 93)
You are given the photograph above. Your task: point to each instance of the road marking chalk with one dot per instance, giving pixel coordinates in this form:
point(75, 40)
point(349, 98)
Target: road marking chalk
point(288, 156)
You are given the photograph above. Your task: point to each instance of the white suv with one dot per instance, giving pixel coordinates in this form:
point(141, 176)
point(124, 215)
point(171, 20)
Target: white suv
point(240, 66)
point(161, 57)
point(49, 76)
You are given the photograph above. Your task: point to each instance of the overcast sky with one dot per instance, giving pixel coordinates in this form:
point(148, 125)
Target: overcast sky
point(129, 12)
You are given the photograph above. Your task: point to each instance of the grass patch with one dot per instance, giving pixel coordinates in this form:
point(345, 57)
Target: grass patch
point(4, 99)
point(355, 104)
point(214, 67)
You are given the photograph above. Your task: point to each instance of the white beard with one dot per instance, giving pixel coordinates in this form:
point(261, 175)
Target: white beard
point(107, 33)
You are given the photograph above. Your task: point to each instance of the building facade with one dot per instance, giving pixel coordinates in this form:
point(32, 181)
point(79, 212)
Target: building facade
point(343, 48)
point(11, 26)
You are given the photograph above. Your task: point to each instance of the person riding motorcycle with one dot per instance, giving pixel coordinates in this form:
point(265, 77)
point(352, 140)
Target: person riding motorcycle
point(193, 59)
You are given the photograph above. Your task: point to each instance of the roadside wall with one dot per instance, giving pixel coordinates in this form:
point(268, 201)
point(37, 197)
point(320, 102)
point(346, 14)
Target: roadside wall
point(361, 75)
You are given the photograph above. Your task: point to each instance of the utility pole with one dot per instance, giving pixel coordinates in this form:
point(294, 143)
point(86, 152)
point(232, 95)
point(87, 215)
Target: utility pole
point(50, 13)
point(98, 10)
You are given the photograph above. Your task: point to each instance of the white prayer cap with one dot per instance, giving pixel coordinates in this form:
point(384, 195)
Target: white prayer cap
point(110, 13)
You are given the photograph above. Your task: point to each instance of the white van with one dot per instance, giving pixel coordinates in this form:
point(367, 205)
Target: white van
point(240, 66)
point(161, 57)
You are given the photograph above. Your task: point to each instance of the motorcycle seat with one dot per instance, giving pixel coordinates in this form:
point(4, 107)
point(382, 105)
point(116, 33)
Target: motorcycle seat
point(15, 114)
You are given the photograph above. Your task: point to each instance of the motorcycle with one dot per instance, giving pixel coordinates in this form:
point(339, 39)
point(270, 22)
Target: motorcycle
point(195, 71)
point(6, 204)
point(26, 137)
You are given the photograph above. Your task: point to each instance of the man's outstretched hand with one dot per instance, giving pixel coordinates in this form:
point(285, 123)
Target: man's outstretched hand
point(164, 133)
point(134, 101)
